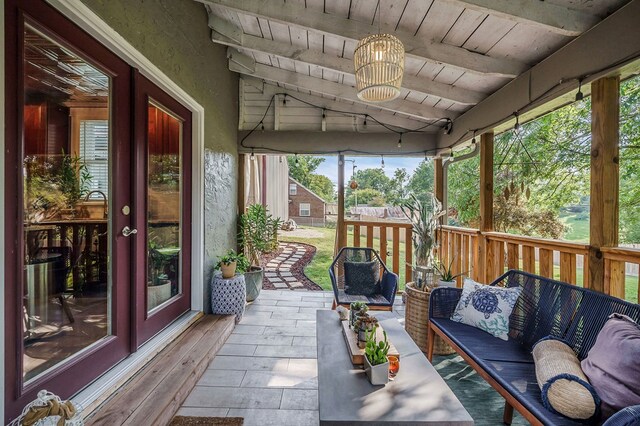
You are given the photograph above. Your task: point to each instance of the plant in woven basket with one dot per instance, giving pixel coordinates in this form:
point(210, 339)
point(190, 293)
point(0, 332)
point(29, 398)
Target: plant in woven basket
point(424, 217)
point(376, 352)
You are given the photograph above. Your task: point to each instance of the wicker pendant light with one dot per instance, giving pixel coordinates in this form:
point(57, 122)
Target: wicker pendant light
point(379, 65)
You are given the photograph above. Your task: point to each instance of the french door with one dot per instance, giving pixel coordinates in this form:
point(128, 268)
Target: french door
point(162, 266)
point(97, 232)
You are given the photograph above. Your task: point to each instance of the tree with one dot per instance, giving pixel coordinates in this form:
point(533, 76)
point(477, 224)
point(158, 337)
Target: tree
point(323, 187)
point(397, 191)
point(421, 182)
point(630, 161)
point(365, 196)
point(302, 167)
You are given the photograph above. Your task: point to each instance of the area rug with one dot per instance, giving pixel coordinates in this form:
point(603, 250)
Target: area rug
point(483, 403)
point(206, 421)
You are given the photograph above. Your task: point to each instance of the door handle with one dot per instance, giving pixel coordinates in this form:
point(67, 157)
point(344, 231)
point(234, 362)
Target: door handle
point(126, 231)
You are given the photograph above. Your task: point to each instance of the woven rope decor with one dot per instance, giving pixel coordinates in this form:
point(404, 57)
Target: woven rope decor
point(565, 388)
point(379, 65)
point(416, 321)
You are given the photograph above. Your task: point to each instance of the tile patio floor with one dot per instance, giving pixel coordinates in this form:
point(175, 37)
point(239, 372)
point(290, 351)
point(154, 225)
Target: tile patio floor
point(266, 372)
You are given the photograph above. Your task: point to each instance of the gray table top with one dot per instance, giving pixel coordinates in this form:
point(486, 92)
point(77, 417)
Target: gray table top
point(417, 396)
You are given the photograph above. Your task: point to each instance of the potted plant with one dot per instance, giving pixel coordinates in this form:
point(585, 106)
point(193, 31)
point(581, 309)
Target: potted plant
point(232, 262)
point(159, 285)
point(447, 278)
point(376, 363)
point(364, 324)
point(258, 236)
point(425, 217)
point(74, 182)
point(356, 309)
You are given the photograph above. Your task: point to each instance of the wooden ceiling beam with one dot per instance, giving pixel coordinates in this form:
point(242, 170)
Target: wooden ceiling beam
point(394, 120)
point(333, 63)
point(338, 90)
point(422, 50)
point(556, 18)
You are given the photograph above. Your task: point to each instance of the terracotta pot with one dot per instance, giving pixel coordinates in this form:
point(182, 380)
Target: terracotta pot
point(228, 271)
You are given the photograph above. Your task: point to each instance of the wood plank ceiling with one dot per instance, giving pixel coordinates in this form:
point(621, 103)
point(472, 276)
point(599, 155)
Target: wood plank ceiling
point(458, 51)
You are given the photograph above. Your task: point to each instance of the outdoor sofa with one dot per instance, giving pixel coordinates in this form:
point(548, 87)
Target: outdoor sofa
point(544, 308)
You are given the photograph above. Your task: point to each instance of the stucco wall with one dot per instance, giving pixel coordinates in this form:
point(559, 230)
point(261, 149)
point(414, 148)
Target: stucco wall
point(174, 35)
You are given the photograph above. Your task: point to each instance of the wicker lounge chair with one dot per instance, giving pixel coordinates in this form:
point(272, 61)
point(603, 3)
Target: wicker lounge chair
point(353, 269)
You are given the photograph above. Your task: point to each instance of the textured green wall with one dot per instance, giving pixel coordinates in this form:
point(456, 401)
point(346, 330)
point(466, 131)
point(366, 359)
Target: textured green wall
point(174, 35)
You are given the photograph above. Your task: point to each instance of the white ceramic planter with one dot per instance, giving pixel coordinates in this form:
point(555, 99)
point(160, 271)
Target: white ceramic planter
point(158, 294)
point(446, 283)
point(377, 374)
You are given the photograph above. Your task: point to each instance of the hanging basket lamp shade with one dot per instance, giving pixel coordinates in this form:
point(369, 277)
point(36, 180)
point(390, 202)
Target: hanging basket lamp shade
point(379, 65)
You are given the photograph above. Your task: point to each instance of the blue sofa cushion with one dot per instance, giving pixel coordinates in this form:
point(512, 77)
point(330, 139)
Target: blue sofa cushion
point(480, 345)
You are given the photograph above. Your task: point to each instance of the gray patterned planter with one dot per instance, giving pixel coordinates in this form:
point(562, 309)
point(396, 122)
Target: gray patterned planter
point(228, 296)
point(253, 278)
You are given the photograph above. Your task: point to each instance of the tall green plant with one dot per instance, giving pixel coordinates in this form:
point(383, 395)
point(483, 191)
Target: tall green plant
point(258, 232)
point(424, 216)
point(74, 179)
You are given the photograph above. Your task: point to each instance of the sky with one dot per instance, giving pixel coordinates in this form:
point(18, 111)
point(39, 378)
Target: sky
point(329, 167)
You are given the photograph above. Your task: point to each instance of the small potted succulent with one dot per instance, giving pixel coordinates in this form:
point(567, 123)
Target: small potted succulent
point(447, 278)
point(376, 363)
point(364, 324)
point(232, 262)
point(355, 309)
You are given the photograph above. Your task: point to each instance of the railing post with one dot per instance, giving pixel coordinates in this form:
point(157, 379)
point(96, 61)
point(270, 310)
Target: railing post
point(603, 220)
point(342, 230)
point(486, 204)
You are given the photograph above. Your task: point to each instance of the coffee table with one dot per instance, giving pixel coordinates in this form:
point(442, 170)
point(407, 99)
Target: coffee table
point(417, 396)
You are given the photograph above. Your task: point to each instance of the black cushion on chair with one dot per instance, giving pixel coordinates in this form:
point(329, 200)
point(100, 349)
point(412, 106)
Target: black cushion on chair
point(362, 278)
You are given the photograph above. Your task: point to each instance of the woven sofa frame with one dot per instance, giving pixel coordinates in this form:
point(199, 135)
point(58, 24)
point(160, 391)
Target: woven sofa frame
point(545, 307)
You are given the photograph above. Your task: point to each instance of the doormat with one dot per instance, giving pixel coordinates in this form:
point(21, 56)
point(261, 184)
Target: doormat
point(206, 421)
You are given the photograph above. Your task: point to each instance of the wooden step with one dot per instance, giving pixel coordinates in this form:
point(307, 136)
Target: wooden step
point(155, 393)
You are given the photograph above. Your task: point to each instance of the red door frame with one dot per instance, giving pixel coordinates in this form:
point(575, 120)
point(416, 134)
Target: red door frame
point(71, 376)
point(146, 326)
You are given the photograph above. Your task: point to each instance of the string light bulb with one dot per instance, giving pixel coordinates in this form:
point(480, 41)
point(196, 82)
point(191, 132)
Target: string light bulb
point(365, 120)
point(579, 95)
point(296, 159)
point(473, 140)
point(252, 156)
point(382, 162)
point(262, 125)
point(516, 127)
point(400, 141)
point(284, 100)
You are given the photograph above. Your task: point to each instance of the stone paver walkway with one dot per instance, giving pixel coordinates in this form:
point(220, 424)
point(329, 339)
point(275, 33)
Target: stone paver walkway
point(284, 272)
point(266, 372)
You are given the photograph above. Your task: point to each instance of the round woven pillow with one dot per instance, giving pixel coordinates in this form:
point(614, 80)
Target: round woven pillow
point(565, 388)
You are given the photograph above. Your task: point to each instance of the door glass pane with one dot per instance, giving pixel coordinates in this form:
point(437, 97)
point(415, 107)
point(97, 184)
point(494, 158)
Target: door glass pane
point(66, 287)
point(164, 205)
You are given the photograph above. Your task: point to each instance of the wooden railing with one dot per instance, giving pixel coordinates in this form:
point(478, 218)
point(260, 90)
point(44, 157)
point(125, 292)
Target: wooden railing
point(615, 277)
point(484, 256)
point(387, 238)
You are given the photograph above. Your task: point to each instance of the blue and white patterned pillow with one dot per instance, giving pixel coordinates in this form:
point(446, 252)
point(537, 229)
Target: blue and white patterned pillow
point(486, 307)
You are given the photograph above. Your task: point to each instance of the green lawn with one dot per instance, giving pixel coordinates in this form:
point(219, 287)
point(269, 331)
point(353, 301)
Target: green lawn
point(578, 228)
point(318, 269)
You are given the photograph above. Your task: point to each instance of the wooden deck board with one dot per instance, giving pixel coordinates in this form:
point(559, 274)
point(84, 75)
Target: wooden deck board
point(155, 393)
